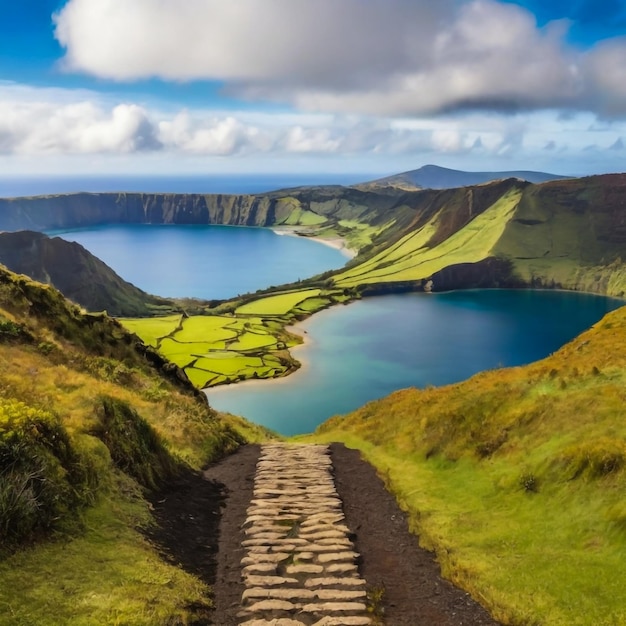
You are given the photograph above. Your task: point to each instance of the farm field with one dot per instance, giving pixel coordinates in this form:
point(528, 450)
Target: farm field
point(249, 343)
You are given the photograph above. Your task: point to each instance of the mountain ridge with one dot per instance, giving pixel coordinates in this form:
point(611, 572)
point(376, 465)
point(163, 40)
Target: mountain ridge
point(566, 233)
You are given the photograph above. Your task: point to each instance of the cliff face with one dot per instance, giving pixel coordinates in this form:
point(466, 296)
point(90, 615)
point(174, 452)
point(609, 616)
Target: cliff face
point(83, 209)
point(313, 205)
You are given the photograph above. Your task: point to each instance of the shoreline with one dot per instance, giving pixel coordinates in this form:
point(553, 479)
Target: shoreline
point(337, 243)
point(296, 329)
point(300, 330)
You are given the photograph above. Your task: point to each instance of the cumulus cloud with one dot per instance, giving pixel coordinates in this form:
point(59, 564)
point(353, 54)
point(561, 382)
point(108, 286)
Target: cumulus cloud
point(81, 127)
point(52, 121)
point(381, 57)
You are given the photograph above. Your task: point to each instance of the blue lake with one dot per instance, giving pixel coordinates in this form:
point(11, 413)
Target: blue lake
point(210, 262)
point(366, 350)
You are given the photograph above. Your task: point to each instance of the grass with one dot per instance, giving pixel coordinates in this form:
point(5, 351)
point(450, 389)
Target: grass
point(216, 350)
point(412, 258)
point(86, 425)
point(155, 328)
point(358, 234)
point(296, 215)
point(212, 328)
point(250, 343)
point(279, 304)
point(109, 574)
point(516, 479)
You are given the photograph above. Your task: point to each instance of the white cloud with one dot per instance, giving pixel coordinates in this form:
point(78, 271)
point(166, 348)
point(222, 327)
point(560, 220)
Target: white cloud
point(323, 42)
point(81, 127)
point(43, 128)
point(380, 57)
point(605, 71)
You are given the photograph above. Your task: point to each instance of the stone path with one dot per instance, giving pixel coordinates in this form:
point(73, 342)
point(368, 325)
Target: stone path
point(300, 565)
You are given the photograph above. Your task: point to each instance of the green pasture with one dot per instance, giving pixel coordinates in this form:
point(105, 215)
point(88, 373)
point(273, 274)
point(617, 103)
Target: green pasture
point(302, 217)
point(279, 304)
point(359, 234)
point(154, 328)
point(214, 350)
point(251, 343)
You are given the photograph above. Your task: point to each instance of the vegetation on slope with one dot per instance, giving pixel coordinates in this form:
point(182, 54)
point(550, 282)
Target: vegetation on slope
point(516, 478)
point(564, 234)
point(87, 423)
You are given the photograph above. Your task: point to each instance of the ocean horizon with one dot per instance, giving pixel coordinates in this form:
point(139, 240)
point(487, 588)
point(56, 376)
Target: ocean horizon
point(11, 187)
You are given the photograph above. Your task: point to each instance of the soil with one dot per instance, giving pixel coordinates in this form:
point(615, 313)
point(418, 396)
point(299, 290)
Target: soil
point(200, 520)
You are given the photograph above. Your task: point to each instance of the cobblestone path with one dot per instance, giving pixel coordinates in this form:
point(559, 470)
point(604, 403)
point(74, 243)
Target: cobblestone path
point(300, 565)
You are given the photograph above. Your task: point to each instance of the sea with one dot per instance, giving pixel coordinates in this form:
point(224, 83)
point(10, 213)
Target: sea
point(211, 183)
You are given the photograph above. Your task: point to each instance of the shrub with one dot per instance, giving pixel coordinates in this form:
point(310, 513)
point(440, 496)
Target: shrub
point(44, 480)
point(529, 483)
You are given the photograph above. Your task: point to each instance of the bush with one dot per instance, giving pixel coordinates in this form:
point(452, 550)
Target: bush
point(44, 480)
point(529, 483)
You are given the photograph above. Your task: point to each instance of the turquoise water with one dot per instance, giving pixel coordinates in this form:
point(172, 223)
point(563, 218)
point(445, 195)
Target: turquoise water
point(366, 350)
point(209, 262)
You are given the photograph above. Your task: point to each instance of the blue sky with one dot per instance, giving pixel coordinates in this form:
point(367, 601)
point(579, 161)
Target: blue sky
point(186, 87)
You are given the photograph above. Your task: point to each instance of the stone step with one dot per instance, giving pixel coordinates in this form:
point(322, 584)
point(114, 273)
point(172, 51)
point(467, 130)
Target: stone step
point(300, 565)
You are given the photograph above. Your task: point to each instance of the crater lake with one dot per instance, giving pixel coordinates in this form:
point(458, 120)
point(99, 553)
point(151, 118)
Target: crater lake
point(208, 261)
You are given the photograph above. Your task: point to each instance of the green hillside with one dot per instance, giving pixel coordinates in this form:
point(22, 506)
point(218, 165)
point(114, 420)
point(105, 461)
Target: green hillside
point(516, 478)
point(566, 234)
point(90, 422)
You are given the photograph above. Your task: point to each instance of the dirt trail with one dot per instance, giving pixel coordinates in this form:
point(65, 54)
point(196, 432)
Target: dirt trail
point(401, 579)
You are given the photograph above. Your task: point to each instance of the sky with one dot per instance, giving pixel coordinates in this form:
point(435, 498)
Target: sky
point(191, 87)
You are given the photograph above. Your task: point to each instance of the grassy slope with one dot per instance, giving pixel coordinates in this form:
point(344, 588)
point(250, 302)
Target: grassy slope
point(413, 258)
point(566, 234)
point(516, 478)
point(85, 422)
point(570, 233)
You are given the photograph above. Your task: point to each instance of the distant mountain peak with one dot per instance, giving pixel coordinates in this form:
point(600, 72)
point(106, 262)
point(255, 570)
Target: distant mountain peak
point(436, 177)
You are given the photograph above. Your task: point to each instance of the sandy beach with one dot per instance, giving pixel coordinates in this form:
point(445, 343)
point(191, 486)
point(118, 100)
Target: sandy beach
point(338, 243)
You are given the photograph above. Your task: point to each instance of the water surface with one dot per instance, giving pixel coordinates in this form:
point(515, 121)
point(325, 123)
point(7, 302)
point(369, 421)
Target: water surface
point(366, 350)
point(209, 262)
